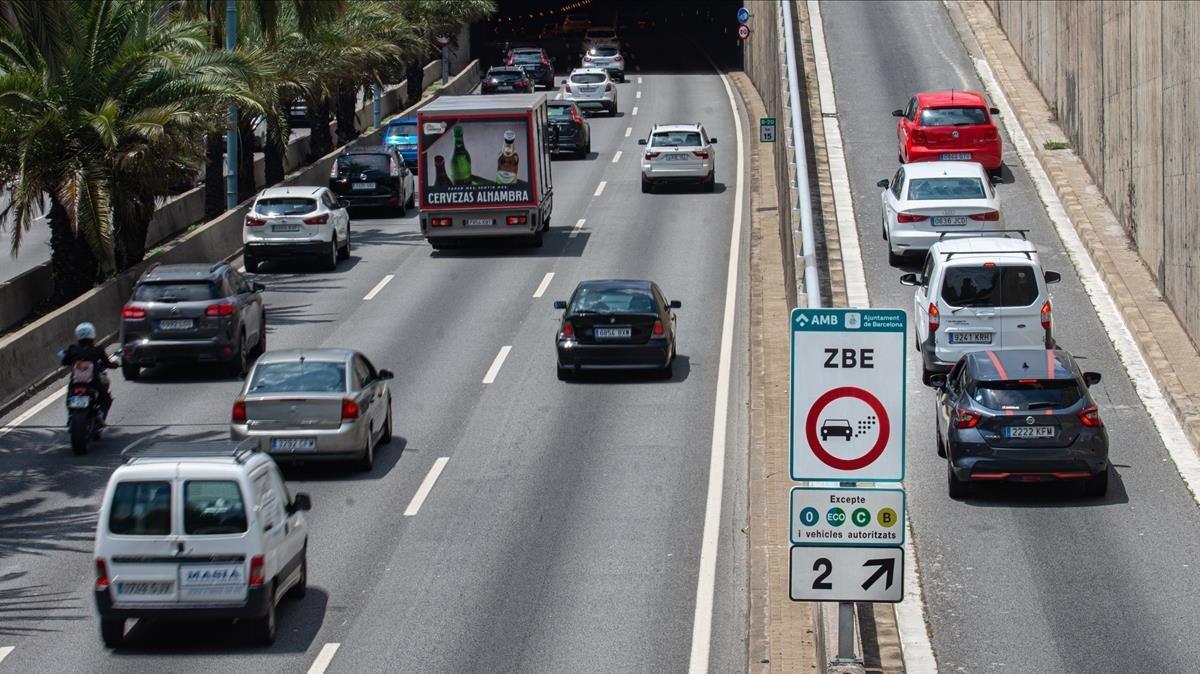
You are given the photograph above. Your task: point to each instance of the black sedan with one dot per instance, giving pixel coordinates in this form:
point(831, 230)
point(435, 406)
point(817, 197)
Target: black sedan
point(506, 81)
point(616, 325)
point(373, 177)
point(570, 132)
point(1020, 415)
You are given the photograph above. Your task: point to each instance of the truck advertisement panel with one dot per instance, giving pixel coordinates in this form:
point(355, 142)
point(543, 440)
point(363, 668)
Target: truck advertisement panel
point(473, 162)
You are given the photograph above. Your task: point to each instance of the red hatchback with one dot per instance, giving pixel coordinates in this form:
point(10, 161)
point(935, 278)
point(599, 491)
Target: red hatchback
point(951, 126)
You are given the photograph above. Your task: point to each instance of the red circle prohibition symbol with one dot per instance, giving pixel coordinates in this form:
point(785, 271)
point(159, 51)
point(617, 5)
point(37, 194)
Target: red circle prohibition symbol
point(814, 413)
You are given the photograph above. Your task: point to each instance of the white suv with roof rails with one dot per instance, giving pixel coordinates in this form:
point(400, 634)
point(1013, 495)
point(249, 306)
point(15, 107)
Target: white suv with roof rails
point(980, 294)
point(590, 88)
point(298, 221)
point(195, 531)
point(679, 153)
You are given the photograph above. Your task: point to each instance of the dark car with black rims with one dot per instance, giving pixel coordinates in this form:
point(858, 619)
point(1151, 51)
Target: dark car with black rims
point(1020, 415)
point(616, 324)
point(508, 80)
point(373, 177)
point(570, 132)
point(536, 63)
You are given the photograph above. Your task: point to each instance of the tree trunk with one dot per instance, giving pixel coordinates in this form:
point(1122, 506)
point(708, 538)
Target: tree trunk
point(274, 171)
point(72, 263)
point(246, 187)
point(214, 179)
point(132, 231)
point(321, 141)
point(413, 89)
point(346, 119)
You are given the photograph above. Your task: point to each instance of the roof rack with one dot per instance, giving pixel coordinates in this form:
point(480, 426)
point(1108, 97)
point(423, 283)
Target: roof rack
point(238, 451)
point(976, 234)
point(949, 254)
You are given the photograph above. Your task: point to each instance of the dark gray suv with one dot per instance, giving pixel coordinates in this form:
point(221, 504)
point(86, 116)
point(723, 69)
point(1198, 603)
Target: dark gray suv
point(192, 313)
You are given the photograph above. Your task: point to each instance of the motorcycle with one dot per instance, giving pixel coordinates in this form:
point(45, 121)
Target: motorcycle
point(83, 406)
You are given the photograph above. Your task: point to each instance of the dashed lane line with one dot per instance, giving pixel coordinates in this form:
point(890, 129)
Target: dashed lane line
point(603, 183)
point(575, 230)
point(639, 80)
point(324, 658)
point(4, 651)
point(378, 287)
point(496, 364)
point(617, 157)
point(541, 289)
point(418, 499)
point(637, 95)
point(628, 131)
point(634, 110)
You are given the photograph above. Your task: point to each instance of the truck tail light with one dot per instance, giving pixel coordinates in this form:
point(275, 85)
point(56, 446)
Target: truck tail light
point(101, 574)
point(1047, 315)
point(133, 313)
point(1090, 416)
point(964, 418)
point(252, 221)
point(439, 222)
point(516, 220)
point(238, 416)
point(349, 409)
point(935, 318)
point(910, 217)
point(317, 219)
point(986, 216)
point(257, 575)
point(568, 330)
point(222, 309)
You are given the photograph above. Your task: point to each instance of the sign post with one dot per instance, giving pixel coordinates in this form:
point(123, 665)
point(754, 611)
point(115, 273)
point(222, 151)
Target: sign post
point(443, 41)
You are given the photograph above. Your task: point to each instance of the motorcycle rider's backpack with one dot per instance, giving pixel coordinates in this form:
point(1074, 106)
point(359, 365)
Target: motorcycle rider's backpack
point(83, 372)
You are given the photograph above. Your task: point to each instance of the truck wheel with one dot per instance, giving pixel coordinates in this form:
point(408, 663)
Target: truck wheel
point(262, 630)
point(112, 631)
point(537, 239)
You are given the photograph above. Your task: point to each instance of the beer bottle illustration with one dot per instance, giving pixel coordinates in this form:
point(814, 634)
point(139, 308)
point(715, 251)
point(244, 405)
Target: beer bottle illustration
point(440, 179)
point(460, 161)
point(506, 165)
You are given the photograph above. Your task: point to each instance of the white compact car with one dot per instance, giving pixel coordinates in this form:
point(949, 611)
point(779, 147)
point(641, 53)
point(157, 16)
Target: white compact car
point(926, 202)
point(198, 531)
point(980, 294)
point(679, 153)
point(608, 57)
point(300, 221)
point(595, 36)
point(591, 88)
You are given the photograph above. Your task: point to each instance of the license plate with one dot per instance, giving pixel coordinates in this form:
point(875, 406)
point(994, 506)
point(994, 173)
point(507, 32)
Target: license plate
point(176, 324)
point(1030, 431)
point(970, 338)
point(956, 156)
point(143, 588)
point(675, 157)
point(613, 333)
point(292, 444)
point(78, 402)
point(949, 220)
point(285, 228)
point(363, 186)
point(479, 222)
point(504, 88)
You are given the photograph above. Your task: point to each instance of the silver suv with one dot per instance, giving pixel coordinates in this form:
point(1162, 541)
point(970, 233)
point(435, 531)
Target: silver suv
point(679, 153)
point(301, 221)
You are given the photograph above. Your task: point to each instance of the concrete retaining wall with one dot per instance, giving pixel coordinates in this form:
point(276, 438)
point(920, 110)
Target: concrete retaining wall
point(1124, 80)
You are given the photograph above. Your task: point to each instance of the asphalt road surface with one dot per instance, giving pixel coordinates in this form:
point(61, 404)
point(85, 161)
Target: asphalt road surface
point(1018, 578)
point(563, 533)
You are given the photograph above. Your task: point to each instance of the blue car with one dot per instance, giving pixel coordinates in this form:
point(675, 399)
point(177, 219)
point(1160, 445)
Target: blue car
point(402, 134)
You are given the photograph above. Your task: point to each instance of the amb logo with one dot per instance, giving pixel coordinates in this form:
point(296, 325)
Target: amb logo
point(820, 319)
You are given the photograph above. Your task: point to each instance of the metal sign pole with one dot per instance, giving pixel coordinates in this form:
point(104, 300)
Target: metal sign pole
point(445, 65)
point(846, 621)
point(231, 119)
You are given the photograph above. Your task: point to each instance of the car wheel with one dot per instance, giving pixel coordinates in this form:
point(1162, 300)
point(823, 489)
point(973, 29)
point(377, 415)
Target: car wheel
point(883, 226)
point(899, 157)
point(1097, 487)
point(367, 461)
point(711, 183)
point(647, 186)
point(668, 371)
point(412, 199)
point(250, 262)
point(331, 258)
point(925, 375)
point(130, 371)
point(565, 373)
point(261, 347)
point(941, 444)
point(955, 487)
point(238, 366)
point(344, 253)
point(301, 587)
point(895, 259)
point(112, 631)
point(262, 630)
point(387, 427)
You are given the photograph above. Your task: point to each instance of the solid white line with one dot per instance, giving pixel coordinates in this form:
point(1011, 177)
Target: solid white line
point(323, 659)
point(600, 188)
point(575, 230)
point(617, 157)
point(541, 289)
point(4, 651)
point(426, 486)
point(1169, 428)
point(638, 95)
point(495, 368)
point(378, 286)
point(29, 413)
point(639, 79)
point(634, 110)
point(707, 576)
point(628, 130)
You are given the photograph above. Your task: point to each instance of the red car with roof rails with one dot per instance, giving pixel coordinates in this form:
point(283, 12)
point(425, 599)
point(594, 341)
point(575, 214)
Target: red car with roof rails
point(949, 125)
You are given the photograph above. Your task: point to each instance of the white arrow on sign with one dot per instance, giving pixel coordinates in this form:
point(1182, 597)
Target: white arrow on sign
point(867, 574)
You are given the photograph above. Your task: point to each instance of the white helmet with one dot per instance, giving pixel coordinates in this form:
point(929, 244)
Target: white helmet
point(85, 330)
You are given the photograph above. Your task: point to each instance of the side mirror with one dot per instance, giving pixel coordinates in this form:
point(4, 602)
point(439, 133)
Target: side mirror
point(560, 304)
point(675, 304)
point(996, 178)
point(257, 287)
point(1091, 378)
point(386, 374)
point(897, 113)
point(994, 111)
point(343, 203)
point(712, 141)
point(938, 381)
point(1052, 276)
point(641, 141)
point(564, 83)
point(553, 59)
point(300, 501)
point(883, 183)
point(909, 279)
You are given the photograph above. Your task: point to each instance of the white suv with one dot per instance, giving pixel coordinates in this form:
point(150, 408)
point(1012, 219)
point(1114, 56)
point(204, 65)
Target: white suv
point(590, 88)
point(298, 221)
point(679, 153)
point(980, 294)
point(195, 531)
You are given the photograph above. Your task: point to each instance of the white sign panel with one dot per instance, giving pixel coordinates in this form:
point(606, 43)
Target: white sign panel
point(845, 516)
point(847, 416)
point(864, 574)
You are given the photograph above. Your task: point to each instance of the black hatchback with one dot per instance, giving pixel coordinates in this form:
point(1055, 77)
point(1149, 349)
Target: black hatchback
point(373, 177)
point(569, 131)
point(616, 324)
point(506, 81)
point(1019, 415)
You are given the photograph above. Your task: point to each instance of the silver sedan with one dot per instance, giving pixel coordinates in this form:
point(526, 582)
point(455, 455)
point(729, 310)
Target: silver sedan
point(313, 405)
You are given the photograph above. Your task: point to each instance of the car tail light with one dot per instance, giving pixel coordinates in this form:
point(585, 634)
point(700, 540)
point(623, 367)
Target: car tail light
point(545, 60)
point(1047, 315)
point(567, 87)
point(618, 58)
point(964, 418)
point(439, 222)
point(910, 217)
point(349, 409)
point(516, 220)
point(576, 117)
point(222, 309)
point(489, 84)
point(252, 221)
point(317, 219)
point(1090, 416)
point(652, 155)
point(80, 391)
point(608, 87)
point(101, 574)
point(508, 61)
point(333, 170)
point(238, 415)
point(918, 136)
point(700, 153)
point(935, 318)
point(134, 313)
point(987, 216)
point(659, 331)
point(523, 84)
point(257, 575)
point(568, 330)
point(393, 168)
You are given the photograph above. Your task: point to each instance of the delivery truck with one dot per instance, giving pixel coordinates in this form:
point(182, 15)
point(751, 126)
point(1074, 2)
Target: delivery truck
point(485, 169)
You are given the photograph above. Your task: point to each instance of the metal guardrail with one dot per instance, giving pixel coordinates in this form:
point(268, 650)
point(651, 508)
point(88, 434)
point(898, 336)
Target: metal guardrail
point(812, 282)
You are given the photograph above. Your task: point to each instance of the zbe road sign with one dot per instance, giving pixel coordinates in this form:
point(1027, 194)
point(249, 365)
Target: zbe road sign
point(841, 516)
point(846, 574)
point(847, 416)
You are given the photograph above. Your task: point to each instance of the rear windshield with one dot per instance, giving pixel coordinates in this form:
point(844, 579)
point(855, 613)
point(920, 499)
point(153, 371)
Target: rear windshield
point(601, 33)
point(364, 163)
point(560, 111)
point(588, 78)
point(953, 116)
point(176, 292)
point(141, 509)
point(527, 57)
point(309, 376)
point(613, 301)
point(285, 206)
point(1040, 394)
point(1006, 286)
point(402, 130)
point(675, 139)
point(506, 75)
point(603, 51)
point(213, 507)
point(936, 189)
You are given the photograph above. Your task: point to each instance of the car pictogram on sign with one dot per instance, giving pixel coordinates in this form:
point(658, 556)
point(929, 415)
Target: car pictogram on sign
point(836, 427)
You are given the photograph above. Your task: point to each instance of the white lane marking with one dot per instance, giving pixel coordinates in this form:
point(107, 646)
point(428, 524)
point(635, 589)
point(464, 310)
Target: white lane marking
point(617, 157)
point(707, 576)
point(418, 498)
point(29, 413)
point(575, 230)
point(324, 658)
point(910, 614)
point(639, 79)
point(634, 110)
point(541, 289)
point(495, 368)
point(600, 188)
point(638, 95)
point(1169, 428)
point(5, 650)
point(378, 286)
point(628, 130)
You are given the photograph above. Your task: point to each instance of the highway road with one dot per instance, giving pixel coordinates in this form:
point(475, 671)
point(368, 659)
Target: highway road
point(563, 531)
point(1027, 578)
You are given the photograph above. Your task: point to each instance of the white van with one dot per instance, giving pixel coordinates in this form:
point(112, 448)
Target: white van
point(197, 531)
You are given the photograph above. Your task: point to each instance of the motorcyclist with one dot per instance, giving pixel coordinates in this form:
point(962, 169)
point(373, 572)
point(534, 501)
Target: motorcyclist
point(85, 350)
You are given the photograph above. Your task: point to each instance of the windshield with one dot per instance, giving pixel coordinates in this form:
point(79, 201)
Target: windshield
point(1027, 395)
point(587, 78)
point(212, 507)
point(176, 292)
point(141, 509)
point(363, 163)
point(939, 189)
point(300, 376)
point(953, 116)
point(406, 131)
point(675, 139)
point(601, 33)
point(603, 51)
point(285, 206)
point(559, 111)
point(613, 301)
point(527, 57)
point(506, 75)
point(1007, 286)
